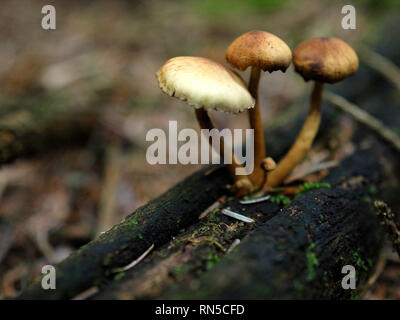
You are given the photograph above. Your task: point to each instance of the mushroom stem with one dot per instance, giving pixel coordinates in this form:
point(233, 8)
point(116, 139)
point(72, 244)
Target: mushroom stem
point(258, 175)
point(303, 141)
point(242, 183)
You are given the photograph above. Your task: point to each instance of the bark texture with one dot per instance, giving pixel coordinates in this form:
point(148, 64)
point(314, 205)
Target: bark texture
point(300, 252)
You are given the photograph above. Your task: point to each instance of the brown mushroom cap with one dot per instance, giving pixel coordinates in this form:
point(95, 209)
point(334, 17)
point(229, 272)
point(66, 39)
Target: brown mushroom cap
point(259, 49)
point(325, 60)
point(204, 83)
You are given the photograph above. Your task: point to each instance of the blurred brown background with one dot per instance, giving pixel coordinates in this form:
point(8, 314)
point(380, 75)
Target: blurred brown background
point(100, 63)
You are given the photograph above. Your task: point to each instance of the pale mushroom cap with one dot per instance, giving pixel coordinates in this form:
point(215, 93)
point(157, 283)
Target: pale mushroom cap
point(259, 49)
point(204, 84)
point(325, 60)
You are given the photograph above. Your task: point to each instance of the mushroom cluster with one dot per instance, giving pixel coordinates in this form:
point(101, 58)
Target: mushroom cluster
point(205, 85)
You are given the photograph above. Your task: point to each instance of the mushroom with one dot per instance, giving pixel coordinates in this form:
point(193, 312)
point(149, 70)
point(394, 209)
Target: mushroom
point(323, 60)
point(261, 51)
point(205, 85)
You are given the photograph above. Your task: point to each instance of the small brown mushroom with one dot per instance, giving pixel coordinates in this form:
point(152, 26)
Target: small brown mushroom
point(205, 84)
point(324, 60)
point(261, 51)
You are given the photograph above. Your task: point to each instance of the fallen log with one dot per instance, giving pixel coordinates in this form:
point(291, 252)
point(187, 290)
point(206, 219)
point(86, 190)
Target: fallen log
point(301, 251)
point(155, 223)
point(297, 252)
point(28, 133)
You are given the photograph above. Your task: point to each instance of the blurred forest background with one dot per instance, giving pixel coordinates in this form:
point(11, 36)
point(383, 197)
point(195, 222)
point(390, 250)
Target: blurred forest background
point(84, 95)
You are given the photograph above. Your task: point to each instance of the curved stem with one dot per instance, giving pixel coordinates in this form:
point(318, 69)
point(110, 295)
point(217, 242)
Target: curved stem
point(303, 141)
point(242, 183)
point(258, 175)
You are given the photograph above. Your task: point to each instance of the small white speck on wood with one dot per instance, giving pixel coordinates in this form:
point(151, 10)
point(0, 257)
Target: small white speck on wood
point(256, 200)
point(133, 263)
point(87, 293)
point(237, 216)
point(233, 245)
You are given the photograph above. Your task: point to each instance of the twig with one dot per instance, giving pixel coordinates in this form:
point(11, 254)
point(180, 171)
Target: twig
point(212, 207)
point(256, 200)
point(237, 216)
point(380, 266)
point(108, 198)
point(389, 220)
point(382, 65)
point(233, 245)
point(365, 118)
point(207, 239)
point(84, 295)
point(133, 263)
point(43, 244)
point(311, 169)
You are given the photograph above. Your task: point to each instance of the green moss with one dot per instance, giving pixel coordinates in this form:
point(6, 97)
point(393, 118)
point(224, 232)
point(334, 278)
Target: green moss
point(354, 296)
point(261, 289)
point(312, 261)
point(180, 271)
point(119, 276)
point(139, 236)
point(298, 286)
point(133, 223)
point(280, 199)
point(311, 186)
point(282, 247)
point(325, 279)
point(367, 199)
point(372, 189)
point(359, 261)
point(212, 215)
point(212, 259)
point(107, 261)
